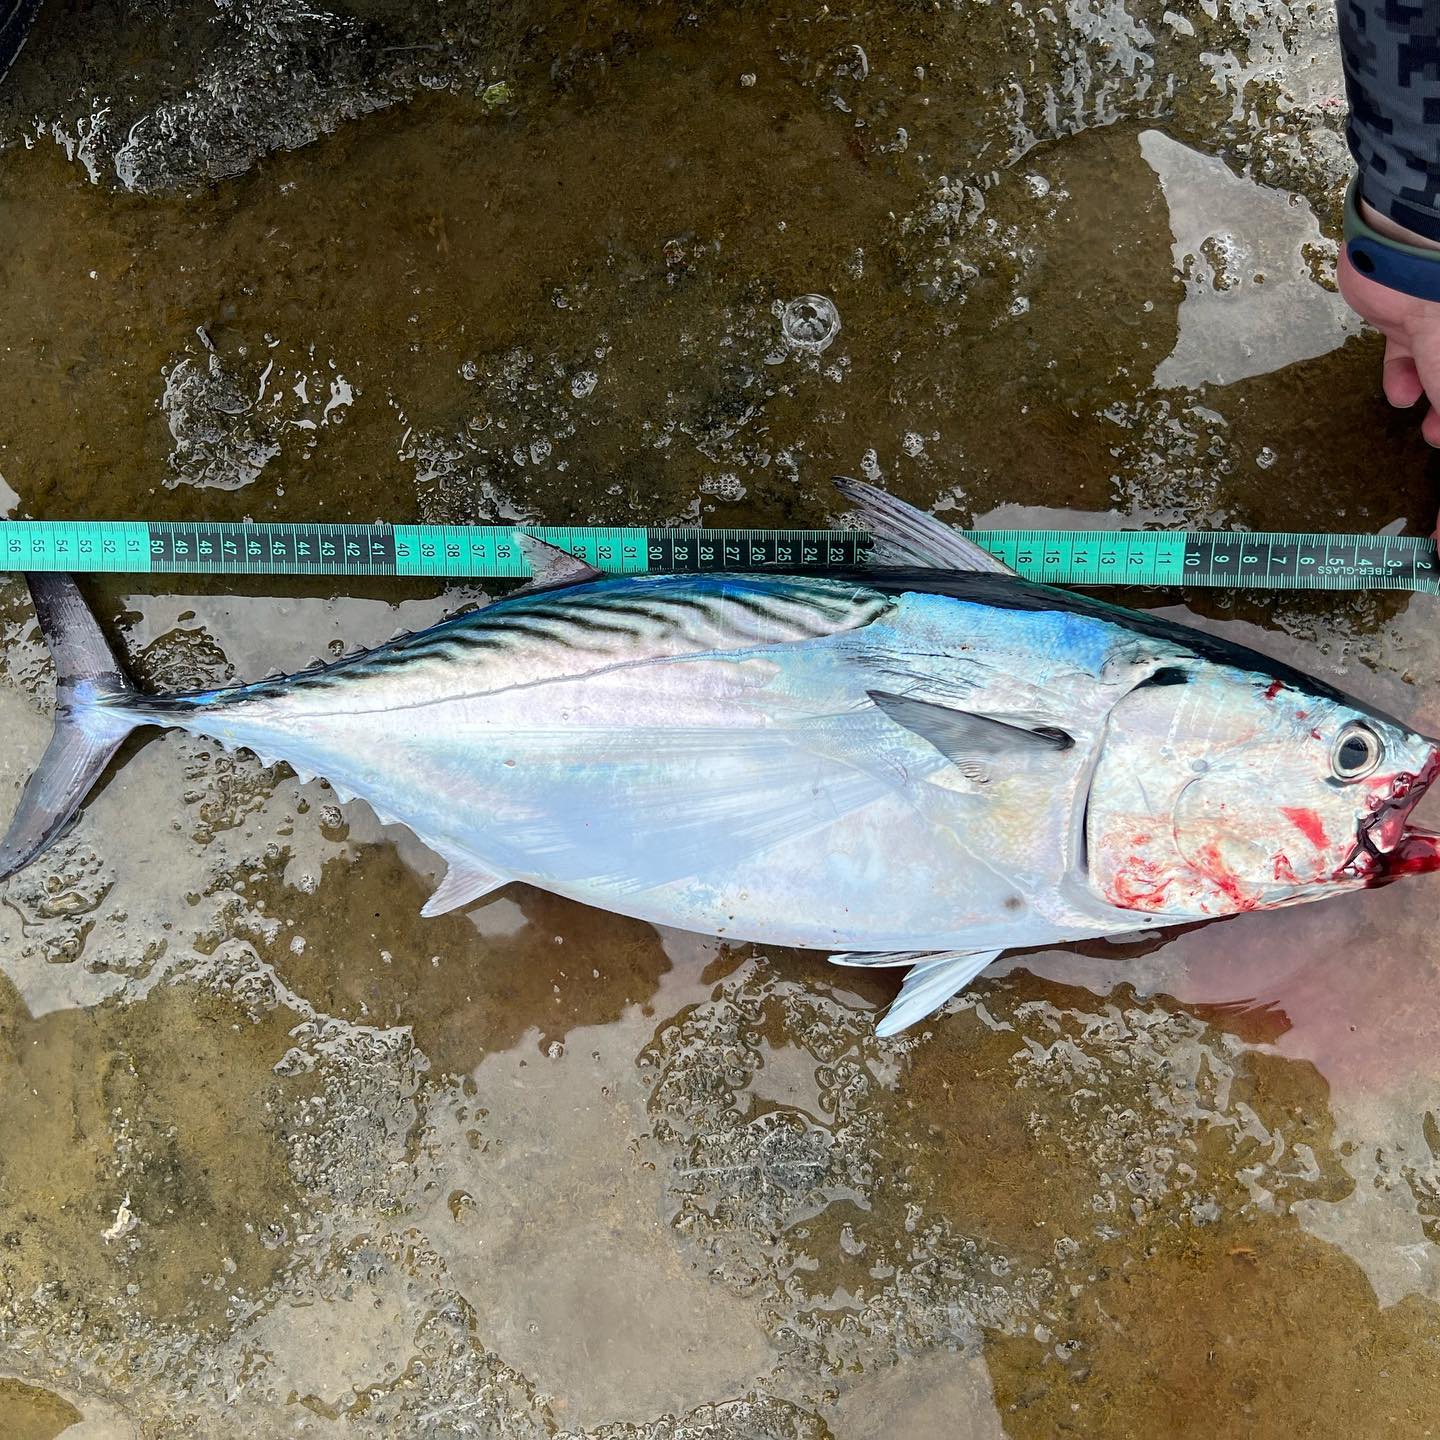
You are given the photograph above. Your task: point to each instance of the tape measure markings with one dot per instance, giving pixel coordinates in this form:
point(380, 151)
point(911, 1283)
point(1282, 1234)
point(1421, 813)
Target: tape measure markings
point(1240, 559)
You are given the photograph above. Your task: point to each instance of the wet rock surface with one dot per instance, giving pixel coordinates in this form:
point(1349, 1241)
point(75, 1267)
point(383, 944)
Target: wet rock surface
point(280, 1158)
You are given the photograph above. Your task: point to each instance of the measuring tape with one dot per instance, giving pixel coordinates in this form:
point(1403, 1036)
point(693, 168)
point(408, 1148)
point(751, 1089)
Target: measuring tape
point(1257, 560)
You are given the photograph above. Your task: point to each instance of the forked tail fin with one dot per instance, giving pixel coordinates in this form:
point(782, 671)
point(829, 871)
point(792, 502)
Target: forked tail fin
point(88, 725)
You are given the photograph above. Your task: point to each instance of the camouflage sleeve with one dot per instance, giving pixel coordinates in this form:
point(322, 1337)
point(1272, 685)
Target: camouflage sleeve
point(1391, 50)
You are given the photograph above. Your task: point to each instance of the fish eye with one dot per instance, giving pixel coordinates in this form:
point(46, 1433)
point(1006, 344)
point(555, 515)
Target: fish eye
point(1357, 752)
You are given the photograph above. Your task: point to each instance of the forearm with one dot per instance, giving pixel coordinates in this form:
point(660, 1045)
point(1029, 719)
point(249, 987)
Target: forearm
point(1391, 51)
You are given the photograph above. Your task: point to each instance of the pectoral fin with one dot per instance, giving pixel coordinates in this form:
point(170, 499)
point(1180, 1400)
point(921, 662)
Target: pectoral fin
point(969, 740)
point(929, 985)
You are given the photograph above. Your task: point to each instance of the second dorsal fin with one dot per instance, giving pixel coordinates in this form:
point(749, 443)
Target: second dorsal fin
point(553, 566)
point(910, 536)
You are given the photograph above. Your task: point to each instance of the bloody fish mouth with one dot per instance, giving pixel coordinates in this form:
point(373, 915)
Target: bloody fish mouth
point(1385, 847)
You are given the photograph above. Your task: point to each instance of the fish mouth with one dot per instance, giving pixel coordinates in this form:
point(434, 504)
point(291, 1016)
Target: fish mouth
point(1386, 847)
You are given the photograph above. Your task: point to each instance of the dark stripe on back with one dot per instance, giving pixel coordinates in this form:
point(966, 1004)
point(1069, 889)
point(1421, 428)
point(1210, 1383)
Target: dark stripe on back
point(666, 607)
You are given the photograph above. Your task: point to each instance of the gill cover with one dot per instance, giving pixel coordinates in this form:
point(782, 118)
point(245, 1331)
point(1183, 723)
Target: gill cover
point(1232, 791)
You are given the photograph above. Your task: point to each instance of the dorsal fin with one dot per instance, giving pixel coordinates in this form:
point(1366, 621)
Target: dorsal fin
point(552, 566)
point(905, 535)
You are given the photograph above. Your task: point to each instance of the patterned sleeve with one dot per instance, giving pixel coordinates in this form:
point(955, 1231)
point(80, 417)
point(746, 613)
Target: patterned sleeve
point(1391, 50)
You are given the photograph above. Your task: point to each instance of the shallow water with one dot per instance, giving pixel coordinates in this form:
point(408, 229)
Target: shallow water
point(281, 1158)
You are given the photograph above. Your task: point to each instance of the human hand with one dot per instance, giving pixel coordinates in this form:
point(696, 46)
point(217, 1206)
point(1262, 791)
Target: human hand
point(1411, 327)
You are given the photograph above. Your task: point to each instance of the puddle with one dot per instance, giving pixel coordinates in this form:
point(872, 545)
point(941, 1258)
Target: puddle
point(31, 1413)
point(282, 1157)
point(1255, 267)
point(548, 1179)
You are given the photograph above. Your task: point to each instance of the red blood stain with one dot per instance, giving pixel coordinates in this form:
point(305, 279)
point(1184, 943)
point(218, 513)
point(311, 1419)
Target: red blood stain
point(1224, 879)
point(1139, 884)
point(1309, 824)
point(1418, 853)
point(1273, 690)
point(1351, 986)
point(1284, 870)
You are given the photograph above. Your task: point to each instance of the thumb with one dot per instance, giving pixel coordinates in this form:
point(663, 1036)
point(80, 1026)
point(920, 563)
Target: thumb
point(1400, 378)
point(1426, 347)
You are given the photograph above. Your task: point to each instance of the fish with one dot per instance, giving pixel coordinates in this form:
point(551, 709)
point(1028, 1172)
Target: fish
point(923, 762)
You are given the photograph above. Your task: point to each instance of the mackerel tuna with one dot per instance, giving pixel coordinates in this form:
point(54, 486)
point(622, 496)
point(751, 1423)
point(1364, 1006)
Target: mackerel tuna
point(922, 764)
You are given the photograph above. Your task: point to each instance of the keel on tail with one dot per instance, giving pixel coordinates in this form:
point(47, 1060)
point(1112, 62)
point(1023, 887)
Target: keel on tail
point(89, 724)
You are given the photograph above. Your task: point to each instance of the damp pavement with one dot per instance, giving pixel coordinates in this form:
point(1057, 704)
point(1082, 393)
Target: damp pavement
point(281, 1159)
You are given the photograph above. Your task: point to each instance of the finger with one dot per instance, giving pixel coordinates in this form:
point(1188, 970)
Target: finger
point(1427, 365)
point(1400, 378)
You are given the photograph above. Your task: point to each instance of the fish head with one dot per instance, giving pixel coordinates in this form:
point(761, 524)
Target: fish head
point(1219, 789)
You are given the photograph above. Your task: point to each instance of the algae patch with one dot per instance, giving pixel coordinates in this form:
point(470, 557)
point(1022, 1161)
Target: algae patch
point(145, 1168)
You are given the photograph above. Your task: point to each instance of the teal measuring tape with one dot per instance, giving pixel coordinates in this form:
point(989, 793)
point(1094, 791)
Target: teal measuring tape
point(1248, 560)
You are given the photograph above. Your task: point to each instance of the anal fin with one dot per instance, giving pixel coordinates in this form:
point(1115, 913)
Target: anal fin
point(929, 985)
point(466, 880)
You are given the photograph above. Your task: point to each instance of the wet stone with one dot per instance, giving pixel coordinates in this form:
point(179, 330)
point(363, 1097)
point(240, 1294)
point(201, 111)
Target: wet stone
point(481, 980)
point(125, 1127)
point(753, 1417)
